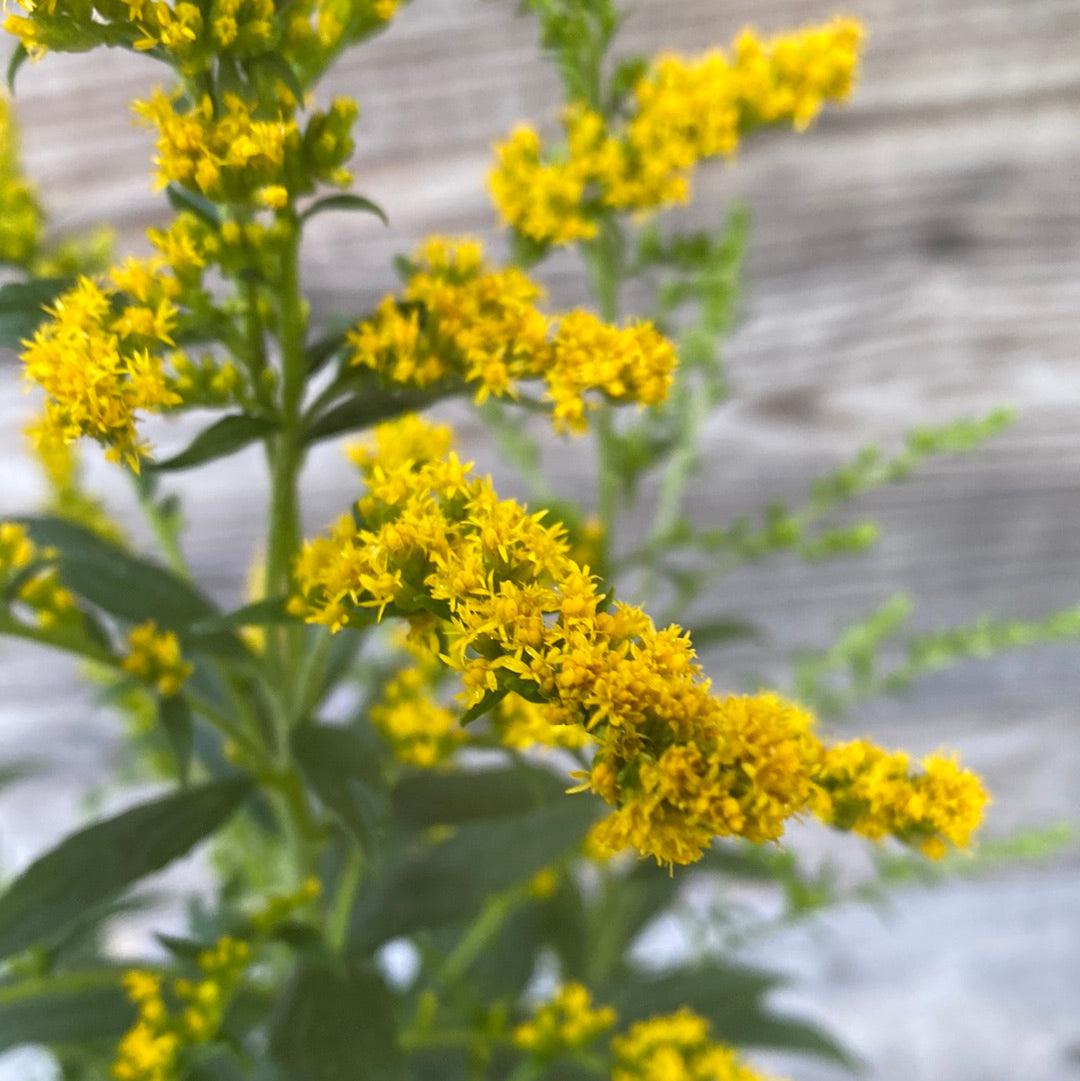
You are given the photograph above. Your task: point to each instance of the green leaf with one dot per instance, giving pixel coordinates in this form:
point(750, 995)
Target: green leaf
point(486, 704)
point(224, 437)
point(526, 252)
point(186, 949)
point(731, 997)
point(98, 863)
point(624, 79)
point(368, 407)
point(504, 968)
point(133, 589)
point(335, 1022)
point(183, 199)
point(437, 884)
point(271, 610)
point(63, 1010)
point(22, 307)
point(426, 799)
point(321, 351)
point(345, 201)
point(179, 727)
point(215, 1064)
point(18, 57)
point(345, 772)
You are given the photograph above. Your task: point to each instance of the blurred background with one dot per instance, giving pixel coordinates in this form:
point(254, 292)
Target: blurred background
point(913, 258)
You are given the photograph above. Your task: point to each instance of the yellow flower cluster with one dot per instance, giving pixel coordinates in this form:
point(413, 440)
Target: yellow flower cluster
point(459, 318)
point(315, 29)
point(27, 577)
point(522, 725)
point(419, 728)
point(151, 1049)
point(96, 357)
point(154, 657)
point(694, 766)
point(236, 154)
point(227, 156)
point(877, 793)
point(21, 219)
point(678, 764)
point(193, 1011)
point(182, 30)
point(193, 36)
point(568, 1022)
point(684, 111)
point(676, 1047)
point(282, 907)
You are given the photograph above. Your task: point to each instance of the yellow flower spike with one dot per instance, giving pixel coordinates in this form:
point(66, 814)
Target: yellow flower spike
point(568, 1022)
point(676, 1047)
point(878, 794)
point(99, 368)
point(419, 729)
point(684, 111)
point(230, 155)
point(154, 657)
point(678, 764)
point(483, 326)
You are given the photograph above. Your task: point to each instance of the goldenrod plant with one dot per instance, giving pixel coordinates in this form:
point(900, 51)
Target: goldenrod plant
point(451, 728)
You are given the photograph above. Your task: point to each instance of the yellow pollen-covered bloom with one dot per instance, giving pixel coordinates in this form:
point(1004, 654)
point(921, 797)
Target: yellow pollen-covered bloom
point(420, 730)
point(523, 725)
point(676, 1047)
point(28, 577)
point(878, 793)
point(683, 111)
point(229, 155)
point(517, 616)
point(458, 318)
point(154, 657)
point(568, 1022)
point(96, 357)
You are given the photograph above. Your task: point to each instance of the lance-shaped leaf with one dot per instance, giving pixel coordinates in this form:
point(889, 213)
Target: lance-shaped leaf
point(98, 863)
point(368, 406)
point(264, 613)
point(22, 307)
point(19, 56)
point(134, 589)
point(345, 772)
point(732, 997)
point(224, 437)
point(64, 1010)
point(426, 799)
point(345, 201)
point(335, 1022)
point(184, 199)
point(179, 728)
point(434, 885)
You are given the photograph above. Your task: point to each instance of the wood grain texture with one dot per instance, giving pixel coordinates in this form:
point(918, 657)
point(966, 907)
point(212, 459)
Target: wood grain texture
point(916, 256)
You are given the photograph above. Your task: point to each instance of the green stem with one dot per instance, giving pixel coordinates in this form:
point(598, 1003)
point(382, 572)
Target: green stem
point(677, 476)
point(164, 529)
point(337, 924)
point(476, 938)
point(604, 262)
point(287, 455)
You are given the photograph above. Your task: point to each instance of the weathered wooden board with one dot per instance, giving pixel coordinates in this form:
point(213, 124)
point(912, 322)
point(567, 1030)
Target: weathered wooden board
point(915, 257)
